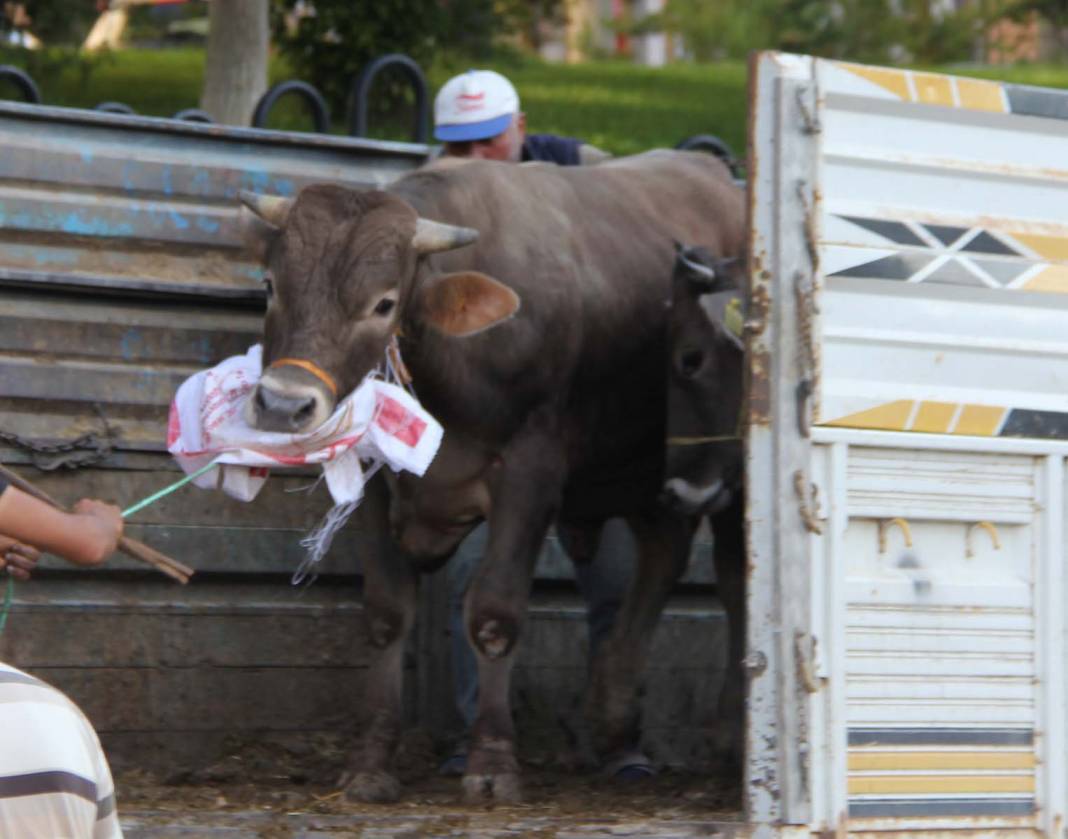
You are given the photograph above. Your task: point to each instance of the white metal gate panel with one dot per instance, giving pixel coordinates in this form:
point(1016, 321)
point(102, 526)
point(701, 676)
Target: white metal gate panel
point(940, 633)
point(939, 621)
point(943, 242)
point(908, 411)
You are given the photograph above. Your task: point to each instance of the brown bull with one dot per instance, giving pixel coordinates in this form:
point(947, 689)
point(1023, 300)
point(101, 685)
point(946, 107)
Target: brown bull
point(556, 412)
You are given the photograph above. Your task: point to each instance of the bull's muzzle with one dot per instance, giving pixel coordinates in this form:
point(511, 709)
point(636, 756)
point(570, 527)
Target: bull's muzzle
point(287, 405)
point(691, 499)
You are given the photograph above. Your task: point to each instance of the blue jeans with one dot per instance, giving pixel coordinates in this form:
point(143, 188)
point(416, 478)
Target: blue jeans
point(603, 583)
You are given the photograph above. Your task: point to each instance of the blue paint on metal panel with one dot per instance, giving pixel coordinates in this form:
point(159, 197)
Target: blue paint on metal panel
point(207, 225)
point(40, 254)
point(178, 220)
point(256, 179)
point(284, 186)
point(49, 256)
point(87, 156)
point(132, 344)
point(128, 178)
point(201, 182)
point(168, 187)
point(76, 223)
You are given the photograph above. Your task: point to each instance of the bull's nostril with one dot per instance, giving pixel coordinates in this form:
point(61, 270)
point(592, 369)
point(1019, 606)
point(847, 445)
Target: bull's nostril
point(690, 362)
point(305, 411)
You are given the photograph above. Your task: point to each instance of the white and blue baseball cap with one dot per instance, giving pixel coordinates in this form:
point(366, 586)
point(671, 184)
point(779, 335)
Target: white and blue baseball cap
point(475, 105)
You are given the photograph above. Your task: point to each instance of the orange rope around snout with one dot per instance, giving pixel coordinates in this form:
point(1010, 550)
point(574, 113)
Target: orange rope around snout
point(312, 368)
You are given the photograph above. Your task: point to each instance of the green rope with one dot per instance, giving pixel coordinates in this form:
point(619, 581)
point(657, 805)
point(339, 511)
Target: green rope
point(9, 595)
point(167, 490)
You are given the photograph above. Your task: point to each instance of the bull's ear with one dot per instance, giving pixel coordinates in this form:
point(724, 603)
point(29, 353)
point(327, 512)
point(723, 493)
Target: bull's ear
point(465, 302)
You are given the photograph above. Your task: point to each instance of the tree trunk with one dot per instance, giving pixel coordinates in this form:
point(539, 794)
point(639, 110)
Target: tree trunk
point(235, 72)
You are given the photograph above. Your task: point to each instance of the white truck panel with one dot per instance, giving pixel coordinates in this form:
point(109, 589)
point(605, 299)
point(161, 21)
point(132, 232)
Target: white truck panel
point(909, 408)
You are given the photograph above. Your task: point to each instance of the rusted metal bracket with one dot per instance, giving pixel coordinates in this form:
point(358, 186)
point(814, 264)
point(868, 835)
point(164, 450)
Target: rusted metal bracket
point(810, 121)
point(805, 657)
point(808, 503)
point(807, 310)
point(884, 525)
point(989, 527)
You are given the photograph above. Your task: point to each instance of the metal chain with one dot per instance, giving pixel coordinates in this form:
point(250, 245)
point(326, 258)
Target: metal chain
point(86, 450)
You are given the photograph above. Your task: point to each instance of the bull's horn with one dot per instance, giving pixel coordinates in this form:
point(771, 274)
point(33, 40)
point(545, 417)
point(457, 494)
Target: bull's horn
point(433, 236)
point(271, 208)
point(703, 272)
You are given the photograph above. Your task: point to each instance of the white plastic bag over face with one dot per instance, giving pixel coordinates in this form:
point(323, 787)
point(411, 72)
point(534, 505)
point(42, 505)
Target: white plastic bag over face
point(378, 423)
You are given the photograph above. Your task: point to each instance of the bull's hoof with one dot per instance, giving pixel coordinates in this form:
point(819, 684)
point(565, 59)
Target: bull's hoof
point(503, 787)
point(373, 788)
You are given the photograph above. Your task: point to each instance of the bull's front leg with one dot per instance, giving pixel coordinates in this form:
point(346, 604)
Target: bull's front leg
point(613, 700)
point(525, 494)
point(389, 603)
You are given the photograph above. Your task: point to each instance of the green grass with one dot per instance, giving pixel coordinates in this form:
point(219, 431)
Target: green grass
point(620, 107)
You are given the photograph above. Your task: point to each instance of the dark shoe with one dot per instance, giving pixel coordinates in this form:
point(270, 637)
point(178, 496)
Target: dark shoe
point(633, 772)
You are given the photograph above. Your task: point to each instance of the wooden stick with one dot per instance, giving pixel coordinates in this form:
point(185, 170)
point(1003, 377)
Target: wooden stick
point(131, 547)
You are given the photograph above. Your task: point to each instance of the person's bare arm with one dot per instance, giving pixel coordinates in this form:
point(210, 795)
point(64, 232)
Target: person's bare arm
point(85, 537)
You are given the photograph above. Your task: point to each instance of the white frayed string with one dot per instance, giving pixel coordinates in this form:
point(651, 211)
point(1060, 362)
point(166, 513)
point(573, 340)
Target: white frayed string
point(317, 543)
point(307, 487)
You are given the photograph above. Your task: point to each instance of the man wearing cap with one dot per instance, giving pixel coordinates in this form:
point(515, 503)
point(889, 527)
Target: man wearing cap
point(476, 115)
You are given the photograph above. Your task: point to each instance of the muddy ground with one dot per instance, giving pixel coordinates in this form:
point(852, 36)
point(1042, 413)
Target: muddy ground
point(274, 792)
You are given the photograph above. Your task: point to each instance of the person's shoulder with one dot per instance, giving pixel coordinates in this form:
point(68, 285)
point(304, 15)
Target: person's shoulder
point(552, 148)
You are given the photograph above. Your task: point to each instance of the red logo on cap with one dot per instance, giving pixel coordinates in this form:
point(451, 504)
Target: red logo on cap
point(471, 101)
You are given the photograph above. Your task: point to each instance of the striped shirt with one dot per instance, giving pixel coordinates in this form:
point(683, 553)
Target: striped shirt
point(54, 778)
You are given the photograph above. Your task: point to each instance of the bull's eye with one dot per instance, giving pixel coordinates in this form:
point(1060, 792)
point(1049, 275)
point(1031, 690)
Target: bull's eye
point(690, 362)
point(384, 306)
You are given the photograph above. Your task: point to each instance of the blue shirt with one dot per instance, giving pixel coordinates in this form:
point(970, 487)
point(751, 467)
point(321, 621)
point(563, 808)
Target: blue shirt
point(550, 148)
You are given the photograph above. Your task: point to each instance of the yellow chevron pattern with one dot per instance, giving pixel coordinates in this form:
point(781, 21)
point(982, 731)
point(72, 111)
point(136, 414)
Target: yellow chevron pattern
point(1052, 278)
point(928, 417)
point(930, 89)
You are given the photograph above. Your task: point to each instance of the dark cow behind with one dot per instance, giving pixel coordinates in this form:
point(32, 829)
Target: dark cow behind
point(704, 470)
point(531, 306)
